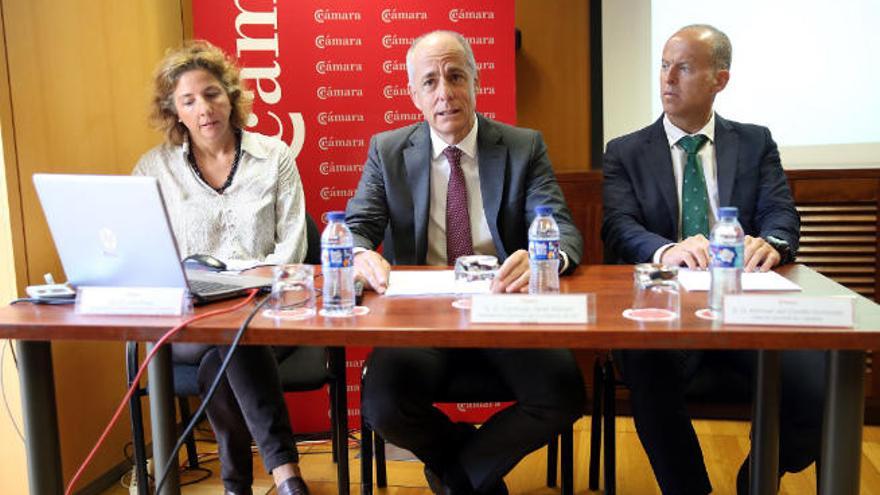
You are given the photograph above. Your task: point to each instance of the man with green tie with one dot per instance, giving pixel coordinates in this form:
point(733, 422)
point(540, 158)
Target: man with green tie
point(662, 189)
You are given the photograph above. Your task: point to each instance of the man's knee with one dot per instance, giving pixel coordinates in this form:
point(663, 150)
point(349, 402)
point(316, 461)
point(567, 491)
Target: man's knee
point(571, 398)
point(379, 405)
point(645, 369)
point(569, 409)
point(386, 399)
point(379, 411)
point(562, 399)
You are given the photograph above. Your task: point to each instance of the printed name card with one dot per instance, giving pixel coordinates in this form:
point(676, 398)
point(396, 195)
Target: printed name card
point(543, 308)
point(801, 311)
point(168, 301)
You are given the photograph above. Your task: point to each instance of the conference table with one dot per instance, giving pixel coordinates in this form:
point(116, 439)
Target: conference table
point(431, 321)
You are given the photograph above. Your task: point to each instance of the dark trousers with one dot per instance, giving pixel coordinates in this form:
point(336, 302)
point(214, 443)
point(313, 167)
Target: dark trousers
point(249, 403)
point(401, 385)
point(658, 382)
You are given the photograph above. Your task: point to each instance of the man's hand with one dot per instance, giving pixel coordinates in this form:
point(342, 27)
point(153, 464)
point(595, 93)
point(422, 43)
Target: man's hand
point(759, 255)
point(692, 252)
point(514, 274)
point(372, 269)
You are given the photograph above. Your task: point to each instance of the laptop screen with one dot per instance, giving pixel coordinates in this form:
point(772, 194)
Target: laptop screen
point(110, 230)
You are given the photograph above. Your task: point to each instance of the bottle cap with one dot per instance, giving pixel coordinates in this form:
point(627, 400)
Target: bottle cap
point(543, 210)
point(728, 212)
point(336, 216)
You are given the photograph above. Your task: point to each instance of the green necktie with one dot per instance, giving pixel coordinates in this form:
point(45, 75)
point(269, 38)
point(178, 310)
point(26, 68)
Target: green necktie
point(694, 197)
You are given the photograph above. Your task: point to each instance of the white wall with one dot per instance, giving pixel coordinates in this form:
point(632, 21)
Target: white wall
point(804, 68)
point(626, 55)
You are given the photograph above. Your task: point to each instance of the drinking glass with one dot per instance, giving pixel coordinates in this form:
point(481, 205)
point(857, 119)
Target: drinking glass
point(293, 292)
point(473, 275)
point(656, 294)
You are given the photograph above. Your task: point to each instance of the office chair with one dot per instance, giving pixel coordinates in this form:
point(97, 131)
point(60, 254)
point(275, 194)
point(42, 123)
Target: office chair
point(470, 384)
point(305, 369)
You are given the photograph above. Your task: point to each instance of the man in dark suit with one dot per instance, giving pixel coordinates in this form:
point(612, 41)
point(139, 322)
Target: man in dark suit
point(662, 188)
point(459, 183)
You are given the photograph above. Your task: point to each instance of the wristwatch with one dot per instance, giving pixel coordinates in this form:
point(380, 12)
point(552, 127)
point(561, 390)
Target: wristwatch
point(782, 247)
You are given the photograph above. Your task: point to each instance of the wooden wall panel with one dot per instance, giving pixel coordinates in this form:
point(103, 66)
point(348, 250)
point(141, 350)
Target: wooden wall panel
point(840, 225)
point(553, 78)
point(13, 274)
point(13, 461)
point(583, 193)
point(79, 84)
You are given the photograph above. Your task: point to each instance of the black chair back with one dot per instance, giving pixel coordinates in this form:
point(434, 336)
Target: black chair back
point(313, 240)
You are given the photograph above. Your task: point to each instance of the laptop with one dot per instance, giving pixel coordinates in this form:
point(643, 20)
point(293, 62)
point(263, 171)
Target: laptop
point(113, 231)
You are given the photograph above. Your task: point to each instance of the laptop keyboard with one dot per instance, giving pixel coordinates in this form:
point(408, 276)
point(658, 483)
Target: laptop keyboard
point(208, 287)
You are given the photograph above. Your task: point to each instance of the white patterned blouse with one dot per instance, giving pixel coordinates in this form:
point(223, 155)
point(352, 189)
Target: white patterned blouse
point(260, 217)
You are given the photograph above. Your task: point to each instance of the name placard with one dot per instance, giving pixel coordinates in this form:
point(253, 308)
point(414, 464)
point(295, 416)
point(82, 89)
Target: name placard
point(538, 308)
point(801, 311)
point(169, 301)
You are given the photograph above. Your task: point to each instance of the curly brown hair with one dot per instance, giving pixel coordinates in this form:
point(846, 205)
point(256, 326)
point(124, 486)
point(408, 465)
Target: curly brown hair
point(195, 55)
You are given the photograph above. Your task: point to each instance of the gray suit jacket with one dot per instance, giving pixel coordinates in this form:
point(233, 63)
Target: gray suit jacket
point(515, 176)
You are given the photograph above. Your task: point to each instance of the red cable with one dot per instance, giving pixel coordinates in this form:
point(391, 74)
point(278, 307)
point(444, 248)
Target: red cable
point(136, 382)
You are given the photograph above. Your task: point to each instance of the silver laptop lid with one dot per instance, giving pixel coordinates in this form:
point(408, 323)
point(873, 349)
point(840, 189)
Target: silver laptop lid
point(110, 230)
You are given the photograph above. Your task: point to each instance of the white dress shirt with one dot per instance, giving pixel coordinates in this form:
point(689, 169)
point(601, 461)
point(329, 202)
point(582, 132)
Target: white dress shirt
point(480, 234)
point(679, 160)
point(260, 217)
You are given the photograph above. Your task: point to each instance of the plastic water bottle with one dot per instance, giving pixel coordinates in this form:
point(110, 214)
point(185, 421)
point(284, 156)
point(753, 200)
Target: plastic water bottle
point(337, 266)
point(544, 252)
point(726, 263)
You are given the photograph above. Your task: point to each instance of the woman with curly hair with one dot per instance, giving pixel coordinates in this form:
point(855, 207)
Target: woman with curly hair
point(237, 196)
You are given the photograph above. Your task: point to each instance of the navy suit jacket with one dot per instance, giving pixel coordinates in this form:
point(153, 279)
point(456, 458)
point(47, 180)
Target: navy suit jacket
point(641, 203)
point(515, 176)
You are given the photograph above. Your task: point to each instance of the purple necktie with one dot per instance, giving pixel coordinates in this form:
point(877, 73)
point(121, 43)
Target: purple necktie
point(458, 221)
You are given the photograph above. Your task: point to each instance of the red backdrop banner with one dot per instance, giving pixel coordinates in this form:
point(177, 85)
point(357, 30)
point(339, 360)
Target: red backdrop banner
point(328, 74)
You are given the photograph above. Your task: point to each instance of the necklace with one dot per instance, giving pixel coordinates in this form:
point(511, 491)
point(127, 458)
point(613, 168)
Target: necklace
point(191, 157)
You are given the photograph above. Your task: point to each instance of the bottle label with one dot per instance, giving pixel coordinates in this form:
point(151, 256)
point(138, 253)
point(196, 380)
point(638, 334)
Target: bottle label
point(726, 256)
point(544, 250)
point(336, 257)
